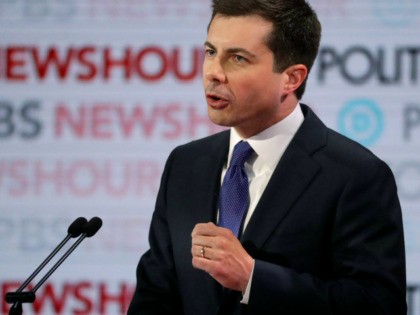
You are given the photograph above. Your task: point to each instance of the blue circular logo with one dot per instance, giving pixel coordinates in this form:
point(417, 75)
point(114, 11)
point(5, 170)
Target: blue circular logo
point(361, 120)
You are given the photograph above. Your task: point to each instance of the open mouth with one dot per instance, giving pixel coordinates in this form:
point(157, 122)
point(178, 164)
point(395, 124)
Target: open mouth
point(217, 102)
point(215, 97)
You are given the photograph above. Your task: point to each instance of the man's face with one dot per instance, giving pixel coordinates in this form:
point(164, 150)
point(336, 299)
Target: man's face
point(242, 91)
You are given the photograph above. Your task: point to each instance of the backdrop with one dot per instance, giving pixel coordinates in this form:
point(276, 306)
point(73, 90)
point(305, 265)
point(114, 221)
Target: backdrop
point(94, 94)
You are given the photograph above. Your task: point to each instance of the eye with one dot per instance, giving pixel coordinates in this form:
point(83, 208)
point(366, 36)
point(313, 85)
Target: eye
point(239, 58)
point(210, 52)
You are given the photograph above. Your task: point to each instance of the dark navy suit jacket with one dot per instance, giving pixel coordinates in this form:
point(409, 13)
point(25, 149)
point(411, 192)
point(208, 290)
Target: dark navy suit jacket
point(326, 235)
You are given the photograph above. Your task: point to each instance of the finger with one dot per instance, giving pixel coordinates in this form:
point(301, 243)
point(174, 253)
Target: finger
point(202, 240)
point(204, 264)
point(199, 251)
point(209, 253)
point(208, 229)
point(205, 252)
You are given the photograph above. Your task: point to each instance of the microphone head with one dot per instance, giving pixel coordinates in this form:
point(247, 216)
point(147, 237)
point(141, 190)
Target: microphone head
point(76, 228)
point(92, 226)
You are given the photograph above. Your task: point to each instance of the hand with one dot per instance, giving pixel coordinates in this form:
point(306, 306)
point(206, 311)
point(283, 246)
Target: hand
point(224, 257)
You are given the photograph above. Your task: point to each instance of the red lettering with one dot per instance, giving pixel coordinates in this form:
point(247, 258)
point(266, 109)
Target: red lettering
point(49, 293)
point(104, 121)
point(19, 184)
point(63, 118)
point(141, 61)
point(127, 122)
point(110, 63)
point(124, 179)
point(83, 178)
point(86, 307)
point(14, 63)
point(121, 298)
point(150, 63)
point(101, 121)
point(89, 65)
point(53, 176)
point(137, 116)
point(80, 298)
point(196, 65)
point(169, 115)
point(148, 172)
point(150, 124)
point(52, 60)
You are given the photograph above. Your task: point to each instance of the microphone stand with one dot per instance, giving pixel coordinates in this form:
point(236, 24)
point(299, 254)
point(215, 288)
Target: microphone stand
point(20, 297)
point(78, 227)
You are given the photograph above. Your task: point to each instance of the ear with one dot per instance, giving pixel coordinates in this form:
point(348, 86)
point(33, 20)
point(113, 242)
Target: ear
point(296, 74)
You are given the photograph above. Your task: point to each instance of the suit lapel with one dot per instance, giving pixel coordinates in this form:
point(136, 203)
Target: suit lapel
point(291, 177)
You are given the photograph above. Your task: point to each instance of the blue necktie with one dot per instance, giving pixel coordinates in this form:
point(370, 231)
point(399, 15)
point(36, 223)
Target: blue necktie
point(234, 193)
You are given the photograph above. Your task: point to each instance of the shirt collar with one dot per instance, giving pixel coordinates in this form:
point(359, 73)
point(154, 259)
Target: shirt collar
point(277, 136)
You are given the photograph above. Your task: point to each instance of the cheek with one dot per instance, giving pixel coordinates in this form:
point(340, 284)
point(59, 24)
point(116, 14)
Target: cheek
point(203, 79)
point(255, 90)
point(271, 89)
point(245, 88)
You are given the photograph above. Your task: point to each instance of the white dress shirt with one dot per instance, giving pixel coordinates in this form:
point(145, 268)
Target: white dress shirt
point(269, 146)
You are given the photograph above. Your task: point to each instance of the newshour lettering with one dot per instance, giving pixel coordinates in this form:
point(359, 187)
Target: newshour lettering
point(27, 63)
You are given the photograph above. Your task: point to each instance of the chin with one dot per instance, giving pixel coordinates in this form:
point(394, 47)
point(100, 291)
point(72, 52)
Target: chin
point(219, 117)
point(219, 121)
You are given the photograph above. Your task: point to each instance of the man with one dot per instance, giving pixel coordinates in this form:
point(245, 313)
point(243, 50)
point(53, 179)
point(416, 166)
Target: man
point(320, 230)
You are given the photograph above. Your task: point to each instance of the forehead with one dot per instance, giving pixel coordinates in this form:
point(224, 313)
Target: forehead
point(249, 32)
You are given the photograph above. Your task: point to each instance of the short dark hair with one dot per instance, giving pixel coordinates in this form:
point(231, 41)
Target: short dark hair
point(296, 29)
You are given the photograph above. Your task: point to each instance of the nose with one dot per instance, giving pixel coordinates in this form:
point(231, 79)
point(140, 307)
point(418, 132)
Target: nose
point(213, 70)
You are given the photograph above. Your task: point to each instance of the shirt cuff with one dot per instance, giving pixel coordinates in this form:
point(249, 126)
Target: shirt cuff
point(245, 295)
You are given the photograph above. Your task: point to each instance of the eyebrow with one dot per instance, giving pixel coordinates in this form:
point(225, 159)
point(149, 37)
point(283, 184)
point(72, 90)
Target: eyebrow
point(232, 50)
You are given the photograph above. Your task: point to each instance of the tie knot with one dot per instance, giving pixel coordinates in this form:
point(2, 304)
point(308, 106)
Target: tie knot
point(241, 153)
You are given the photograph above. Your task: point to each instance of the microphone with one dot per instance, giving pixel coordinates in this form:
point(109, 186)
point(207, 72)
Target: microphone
point(80, 227)
point(74, 230)
point(88, 230)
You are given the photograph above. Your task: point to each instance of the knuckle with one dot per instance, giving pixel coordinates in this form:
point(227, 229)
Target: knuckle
point(223, 244)
point(227, 233)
